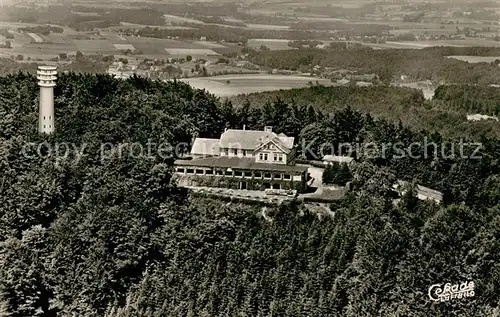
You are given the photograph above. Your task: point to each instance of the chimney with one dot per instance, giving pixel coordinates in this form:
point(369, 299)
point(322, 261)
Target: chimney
point(244, 126)
point(268, 128)
point(46, 76)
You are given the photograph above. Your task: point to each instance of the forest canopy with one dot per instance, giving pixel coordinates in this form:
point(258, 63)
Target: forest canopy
point(446, 113)
point(116, 237)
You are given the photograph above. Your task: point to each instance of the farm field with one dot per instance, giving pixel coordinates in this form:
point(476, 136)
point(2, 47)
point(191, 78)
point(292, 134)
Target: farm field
point(230, 19)
point(267, 26)
point(245, 84)
point(416, 25)
point(288, 7)
point(171, 19)
point(46, 49)
point(87, 14)
point(422, 31)
point(14, 25)
point(177, 19)
point(208, 44)
point(322, 19)
point(424, 44)
point(154, 45)
point(116, 5)
point(476, 59)
point(272, 44)
point(191, 51)
point(38, 46)
point(124, 47)
point(107, 43)
point(253, 26)
point(93, 46)
point(36, 38)
point(139, 26)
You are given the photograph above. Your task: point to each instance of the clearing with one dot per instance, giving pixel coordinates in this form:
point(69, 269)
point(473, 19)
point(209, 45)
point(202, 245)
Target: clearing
point(424, 44)
point(250, 83)
point(36, 37)
point(177, 19)
point(124, 47)
point(272, 44)
point(267, 26)
point(191, 51)
point(475, 59)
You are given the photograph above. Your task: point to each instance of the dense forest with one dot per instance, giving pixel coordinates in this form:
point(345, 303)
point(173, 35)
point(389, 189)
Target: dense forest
point(215, 32)
point(418, 64)
point(86, 236)
point(473, 99)
point(65, 16)
point(340, 11)
point(342, 28)
point(88, 63)
point(45, 29)
point(9, 65)
point(446, 113)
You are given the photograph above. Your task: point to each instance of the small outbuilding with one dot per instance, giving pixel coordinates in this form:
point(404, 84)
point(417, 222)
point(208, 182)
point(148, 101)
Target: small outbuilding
point(331, 159)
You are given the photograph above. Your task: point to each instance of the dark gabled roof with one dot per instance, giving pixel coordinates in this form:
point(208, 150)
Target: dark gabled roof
point(277, 142)
point(251, 139)
point(207, 147)
point(240, 163)
point(339, 159)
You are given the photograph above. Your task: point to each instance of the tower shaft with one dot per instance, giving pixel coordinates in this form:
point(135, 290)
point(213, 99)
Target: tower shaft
point(46, 76)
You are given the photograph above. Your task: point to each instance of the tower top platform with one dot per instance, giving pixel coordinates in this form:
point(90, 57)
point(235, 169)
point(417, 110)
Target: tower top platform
point(47, 67)
point(46, 75)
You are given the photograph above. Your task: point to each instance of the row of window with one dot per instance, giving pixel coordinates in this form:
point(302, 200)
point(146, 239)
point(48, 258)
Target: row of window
point(234, 152)
point(50, 117)
point(262, 156)
point(44, 126)
point(276, 157)
point(233, 173)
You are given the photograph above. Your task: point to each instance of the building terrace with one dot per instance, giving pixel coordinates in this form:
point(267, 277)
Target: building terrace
point(240, 173)
point(243, 159)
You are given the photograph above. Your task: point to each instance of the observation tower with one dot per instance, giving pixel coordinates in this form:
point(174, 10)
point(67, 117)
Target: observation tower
point(46, 76)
